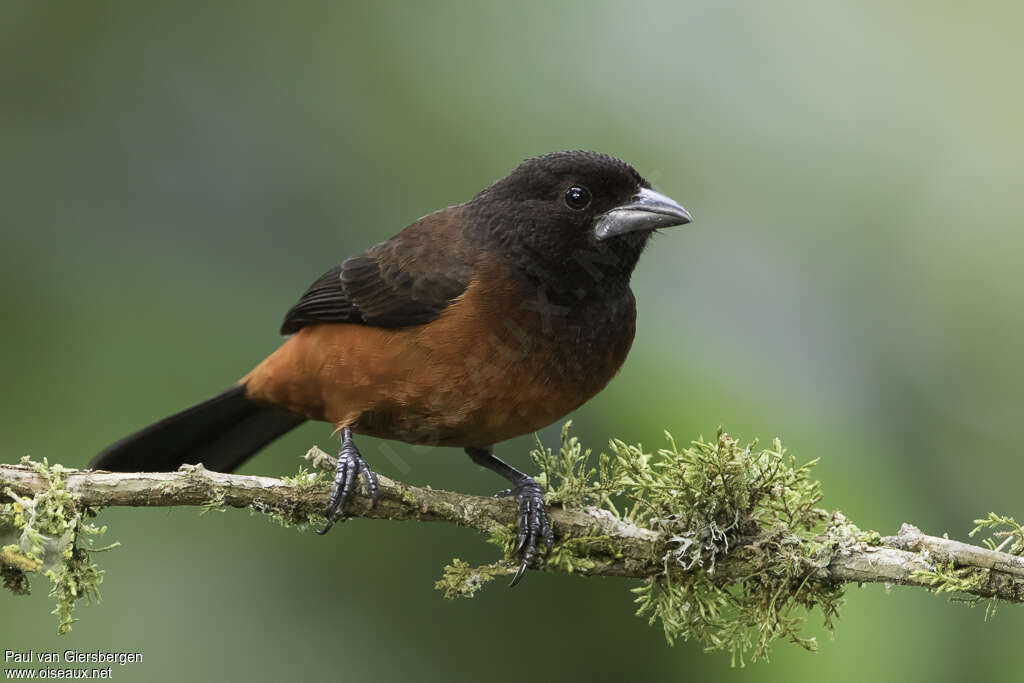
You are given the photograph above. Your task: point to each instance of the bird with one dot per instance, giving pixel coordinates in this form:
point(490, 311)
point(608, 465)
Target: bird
point(475, 324)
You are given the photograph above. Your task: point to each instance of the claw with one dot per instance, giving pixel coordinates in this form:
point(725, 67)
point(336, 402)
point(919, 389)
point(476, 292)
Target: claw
point(531, 519)
point(519, 575)
point(533, 526)
point(349, 468)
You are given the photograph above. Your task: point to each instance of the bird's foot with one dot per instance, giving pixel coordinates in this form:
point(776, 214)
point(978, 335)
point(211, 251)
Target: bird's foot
point(532, 522)
point(350, 467)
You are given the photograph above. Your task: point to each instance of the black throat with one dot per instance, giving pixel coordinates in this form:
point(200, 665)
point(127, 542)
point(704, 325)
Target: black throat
point(570, 268)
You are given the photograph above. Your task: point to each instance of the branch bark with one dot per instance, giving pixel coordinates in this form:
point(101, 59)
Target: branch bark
point(904, 559)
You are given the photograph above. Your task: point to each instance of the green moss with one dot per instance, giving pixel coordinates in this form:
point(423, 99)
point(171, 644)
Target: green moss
point(53, 536)
point(1009, 540)
point(297, 521)
point(305, 479)
point(409, 499)
point(289, 518)
point(576, 554)
point(504, 537)
point(15, 566)
point(460, 580)
point(950, 579)
point(707, 501)
point(215, 504)
point(11, 556)
point(1005, 535)
point(573, 554)
point(870, 537)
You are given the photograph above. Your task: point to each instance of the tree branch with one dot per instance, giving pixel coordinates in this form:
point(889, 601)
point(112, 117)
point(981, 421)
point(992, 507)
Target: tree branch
point(910, 558)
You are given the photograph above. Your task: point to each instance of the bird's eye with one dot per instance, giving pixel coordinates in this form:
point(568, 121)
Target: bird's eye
point(577, 197)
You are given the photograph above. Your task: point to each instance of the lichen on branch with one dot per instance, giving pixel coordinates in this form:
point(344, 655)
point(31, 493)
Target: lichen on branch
point(728, 541)
point(51, 535)
point(709, 501)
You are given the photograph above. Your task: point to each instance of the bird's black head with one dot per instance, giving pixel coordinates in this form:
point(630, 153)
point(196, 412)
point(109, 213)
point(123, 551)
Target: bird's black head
point(576, 221)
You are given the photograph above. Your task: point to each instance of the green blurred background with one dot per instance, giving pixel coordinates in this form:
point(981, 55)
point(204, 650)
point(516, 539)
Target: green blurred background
point(174, 174)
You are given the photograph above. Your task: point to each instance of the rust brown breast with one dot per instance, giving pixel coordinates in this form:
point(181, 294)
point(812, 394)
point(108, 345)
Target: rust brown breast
point(501, 361)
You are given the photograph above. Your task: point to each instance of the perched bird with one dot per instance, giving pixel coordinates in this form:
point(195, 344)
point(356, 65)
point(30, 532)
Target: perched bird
point(477, 323)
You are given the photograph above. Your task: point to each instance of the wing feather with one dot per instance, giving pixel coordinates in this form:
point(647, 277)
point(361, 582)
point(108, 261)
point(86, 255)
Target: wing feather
point(408, 280)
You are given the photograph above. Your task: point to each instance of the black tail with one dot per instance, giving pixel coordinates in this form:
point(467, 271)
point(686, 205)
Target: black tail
point(221, 432)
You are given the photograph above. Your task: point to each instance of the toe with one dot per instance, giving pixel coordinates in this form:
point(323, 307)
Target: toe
point(533, 526)
point(523, 525)
point(370, 478)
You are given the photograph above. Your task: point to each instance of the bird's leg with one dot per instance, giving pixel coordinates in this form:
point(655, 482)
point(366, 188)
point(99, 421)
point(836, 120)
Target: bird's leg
point(350, 467)
point(532, 520)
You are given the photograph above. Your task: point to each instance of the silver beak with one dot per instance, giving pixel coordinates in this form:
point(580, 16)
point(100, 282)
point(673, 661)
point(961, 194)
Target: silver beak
point(646, 210)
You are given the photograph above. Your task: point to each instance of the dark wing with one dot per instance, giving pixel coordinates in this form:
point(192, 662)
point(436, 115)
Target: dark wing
point(408, 280)
point(323, 302)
